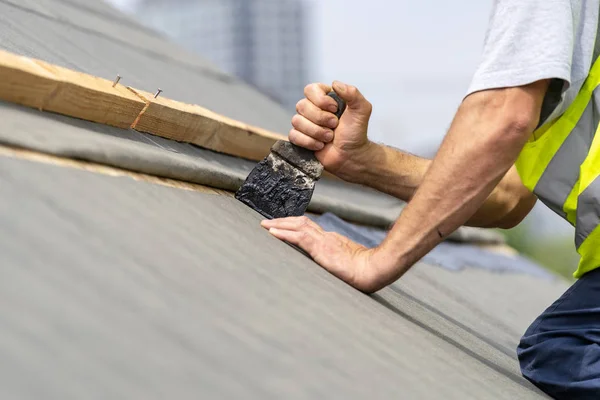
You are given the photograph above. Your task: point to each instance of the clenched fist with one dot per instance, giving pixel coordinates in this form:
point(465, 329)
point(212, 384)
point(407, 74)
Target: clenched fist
point(341, 146)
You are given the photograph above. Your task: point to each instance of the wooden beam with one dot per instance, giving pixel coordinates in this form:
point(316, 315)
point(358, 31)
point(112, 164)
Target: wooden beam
point(195, 124)
point(23, 81)
point(48, 87)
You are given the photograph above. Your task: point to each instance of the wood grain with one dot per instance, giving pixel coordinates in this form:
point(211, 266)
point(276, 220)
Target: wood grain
point(195, 124)
point(48, 87)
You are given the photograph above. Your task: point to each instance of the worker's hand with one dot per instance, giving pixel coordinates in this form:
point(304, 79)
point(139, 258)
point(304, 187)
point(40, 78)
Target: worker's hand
point(338, 145)
point(347, 260)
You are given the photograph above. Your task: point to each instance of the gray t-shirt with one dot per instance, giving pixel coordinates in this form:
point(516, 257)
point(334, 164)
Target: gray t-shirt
point(530, 40)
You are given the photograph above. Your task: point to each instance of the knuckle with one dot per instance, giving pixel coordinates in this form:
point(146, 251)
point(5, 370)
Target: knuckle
point(296, 119)
point(304, 236)
point(352, 90)
point(309, 88)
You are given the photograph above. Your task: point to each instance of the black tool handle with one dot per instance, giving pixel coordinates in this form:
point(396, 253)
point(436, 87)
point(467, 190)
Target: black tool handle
point(302, 158)
point(340, 102)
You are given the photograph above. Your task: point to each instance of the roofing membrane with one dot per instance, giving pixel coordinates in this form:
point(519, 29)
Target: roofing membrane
point(117, 288)
point(136, 151)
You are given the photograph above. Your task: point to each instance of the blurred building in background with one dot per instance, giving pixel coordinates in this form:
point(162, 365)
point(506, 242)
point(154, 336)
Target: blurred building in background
point(259, 41)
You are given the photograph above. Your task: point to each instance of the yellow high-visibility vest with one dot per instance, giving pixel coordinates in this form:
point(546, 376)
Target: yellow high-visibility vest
point(561, 165)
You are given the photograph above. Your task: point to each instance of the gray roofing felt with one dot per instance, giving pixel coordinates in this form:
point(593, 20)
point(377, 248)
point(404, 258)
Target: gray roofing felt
point(132, 150)
point(113, 288)
point(128, 149)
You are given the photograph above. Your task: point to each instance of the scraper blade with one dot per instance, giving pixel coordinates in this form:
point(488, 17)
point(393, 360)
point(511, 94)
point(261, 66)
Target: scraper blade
point(282, 184)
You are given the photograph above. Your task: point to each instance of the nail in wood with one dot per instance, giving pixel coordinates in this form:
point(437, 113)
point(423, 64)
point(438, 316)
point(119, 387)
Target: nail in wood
point(159, 91)
point(117, 80)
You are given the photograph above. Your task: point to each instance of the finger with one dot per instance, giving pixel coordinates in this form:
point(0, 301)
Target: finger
point(309, 128)
point(292, 223)
point(353, 97)
point(316, 115)
point(300, 139)
point(317, 94)
point(303, 239)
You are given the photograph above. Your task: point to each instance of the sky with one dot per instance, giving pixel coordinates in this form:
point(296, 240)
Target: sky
point(126, 5)
point(412, 59)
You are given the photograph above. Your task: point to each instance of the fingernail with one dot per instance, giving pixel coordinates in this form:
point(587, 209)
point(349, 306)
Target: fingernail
point(339, 86)
point(333, 108)
point(272, 231)
point(320, 146)
point(332, 123)
point(328, 136)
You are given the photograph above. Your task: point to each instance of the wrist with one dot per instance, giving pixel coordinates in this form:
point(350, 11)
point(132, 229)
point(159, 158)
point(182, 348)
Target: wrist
point(357, 168)
point(384, 268)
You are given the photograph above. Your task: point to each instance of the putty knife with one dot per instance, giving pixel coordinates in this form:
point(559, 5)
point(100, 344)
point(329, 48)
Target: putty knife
point(282, 184)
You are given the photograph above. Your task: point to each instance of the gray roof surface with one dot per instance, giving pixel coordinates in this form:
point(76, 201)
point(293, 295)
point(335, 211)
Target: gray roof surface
point(132, 150)
point(141, 152)
point(114, 288)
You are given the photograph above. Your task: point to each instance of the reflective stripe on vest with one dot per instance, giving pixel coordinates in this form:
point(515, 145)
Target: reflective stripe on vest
point(561, 165)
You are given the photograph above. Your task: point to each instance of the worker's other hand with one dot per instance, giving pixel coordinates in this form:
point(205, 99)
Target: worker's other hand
point(340, 144)
point(347, 260)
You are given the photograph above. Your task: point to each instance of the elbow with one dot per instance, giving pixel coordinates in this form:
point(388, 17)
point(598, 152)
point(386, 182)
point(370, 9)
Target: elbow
point(516, 126)
point(517, 211)
point(514, 113)
point(511, 221)
point(510, 202)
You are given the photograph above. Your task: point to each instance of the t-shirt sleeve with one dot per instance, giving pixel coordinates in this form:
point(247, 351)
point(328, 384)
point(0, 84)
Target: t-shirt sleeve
point(526, 41)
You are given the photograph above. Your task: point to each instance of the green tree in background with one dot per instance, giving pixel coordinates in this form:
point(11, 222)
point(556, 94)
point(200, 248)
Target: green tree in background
point(555, 253)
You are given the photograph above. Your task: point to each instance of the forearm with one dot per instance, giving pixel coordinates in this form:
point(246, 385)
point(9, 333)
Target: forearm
point(388, 170)
point(400, 174)
point(481, 146)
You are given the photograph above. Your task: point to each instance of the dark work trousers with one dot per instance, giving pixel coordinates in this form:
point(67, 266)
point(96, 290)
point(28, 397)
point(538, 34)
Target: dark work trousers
point(560, 352)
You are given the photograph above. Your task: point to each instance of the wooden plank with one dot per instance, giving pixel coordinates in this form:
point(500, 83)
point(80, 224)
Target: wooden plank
point(47, 87)
point(25, 82)
point(195, 124)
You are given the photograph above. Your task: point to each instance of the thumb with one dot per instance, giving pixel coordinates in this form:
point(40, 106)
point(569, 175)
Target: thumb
point(354, 99)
